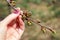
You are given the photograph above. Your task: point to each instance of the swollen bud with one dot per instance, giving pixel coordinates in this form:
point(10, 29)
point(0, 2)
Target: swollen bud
point(53, 31)
point(13, 3)
point(43, 29)
point(29, 23)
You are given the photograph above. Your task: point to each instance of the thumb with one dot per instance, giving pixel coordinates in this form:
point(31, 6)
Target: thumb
point(11, 17)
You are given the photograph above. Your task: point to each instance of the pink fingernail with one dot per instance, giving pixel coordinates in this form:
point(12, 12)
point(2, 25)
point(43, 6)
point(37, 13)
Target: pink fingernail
point(16, 11)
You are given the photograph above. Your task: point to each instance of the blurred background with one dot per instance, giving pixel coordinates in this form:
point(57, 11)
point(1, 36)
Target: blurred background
point(47, 11)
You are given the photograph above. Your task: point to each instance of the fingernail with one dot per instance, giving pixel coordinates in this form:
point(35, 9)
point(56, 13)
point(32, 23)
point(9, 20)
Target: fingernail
point(16, 11)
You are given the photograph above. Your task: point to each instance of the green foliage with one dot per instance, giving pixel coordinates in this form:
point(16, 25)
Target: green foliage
point(33, 11)
point(27, 1)
point(36, 1)
point(33, 1)
point(24, 5)
point(41, 15)
point(1, 5)
point(52, 8)
point(57, 13)
point(49, 1)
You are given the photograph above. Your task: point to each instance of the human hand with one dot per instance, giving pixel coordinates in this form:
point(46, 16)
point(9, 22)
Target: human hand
point(9, 28)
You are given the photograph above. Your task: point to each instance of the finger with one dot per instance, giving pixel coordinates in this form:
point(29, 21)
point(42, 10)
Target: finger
point(11, 17)
point(21, 23)
point(11, 23)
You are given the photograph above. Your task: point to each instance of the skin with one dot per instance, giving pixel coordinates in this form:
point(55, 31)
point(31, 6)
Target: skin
point(9, 30)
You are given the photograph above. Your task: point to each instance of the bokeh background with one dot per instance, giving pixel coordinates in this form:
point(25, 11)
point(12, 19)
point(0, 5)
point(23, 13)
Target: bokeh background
point(47, 11)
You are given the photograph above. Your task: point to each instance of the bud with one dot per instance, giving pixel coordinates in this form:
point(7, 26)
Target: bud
point(29, 23)
point(13, 3)
point(43, 29)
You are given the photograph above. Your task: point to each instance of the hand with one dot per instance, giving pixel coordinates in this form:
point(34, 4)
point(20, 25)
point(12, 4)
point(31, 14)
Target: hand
point(9, 28)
